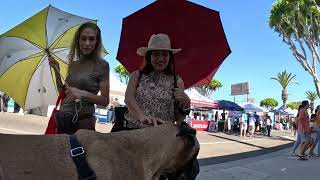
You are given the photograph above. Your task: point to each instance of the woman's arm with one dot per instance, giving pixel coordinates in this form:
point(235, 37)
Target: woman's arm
point(183, 99)
point(130, 96)
point(103, 98)
point(56, 68)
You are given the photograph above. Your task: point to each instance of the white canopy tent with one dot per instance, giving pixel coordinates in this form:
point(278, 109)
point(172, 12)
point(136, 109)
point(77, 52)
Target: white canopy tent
point(117, 89)
point(198, 100)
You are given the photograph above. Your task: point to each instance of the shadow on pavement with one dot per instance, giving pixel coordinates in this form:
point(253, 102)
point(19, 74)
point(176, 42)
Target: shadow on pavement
point(235, 140)
point(235, 157)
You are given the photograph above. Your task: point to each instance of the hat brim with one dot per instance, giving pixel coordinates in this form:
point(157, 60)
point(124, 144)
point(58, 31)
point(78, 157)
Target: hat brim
point(143, 50)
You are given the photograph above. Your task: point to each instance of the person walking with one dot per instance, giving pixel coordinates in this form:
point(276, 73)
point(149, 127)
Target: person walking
point(243, 124)
point(304, 130)
point(257, 123)
point(317, 129)
point(298, 139)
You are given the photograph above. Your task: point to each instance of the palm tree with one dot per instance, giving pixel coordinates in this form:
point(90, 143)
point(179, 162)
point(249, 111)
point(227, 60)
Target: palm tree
point(122, 72)
point(312, 96)
point(206, 90)
point(285, 79)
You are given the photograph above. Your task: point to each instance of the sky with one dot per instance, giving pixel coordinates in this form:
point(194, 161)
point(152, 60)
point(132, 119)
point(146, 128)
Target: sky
point(258, 52)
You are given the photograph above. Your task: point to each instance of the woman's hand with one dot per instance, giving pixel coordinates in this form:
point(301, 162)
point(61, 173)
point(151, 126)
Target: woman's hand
point(75, 93)
point(151, 121)
point(53, 63)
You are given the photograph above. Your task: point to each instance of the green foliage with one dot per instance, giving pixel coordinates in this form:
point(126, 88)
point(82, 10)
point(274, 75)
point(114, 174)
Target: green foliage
point(284, 79)
point(311, 95)
point(208, 89)
point(122, 73)
point(269, 103)
point(294, 105)
point(296, 16)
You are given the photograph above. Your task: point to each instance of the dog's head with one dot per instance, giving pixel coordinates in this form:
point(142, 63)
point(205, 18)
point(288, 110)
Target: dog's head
point(187, 166)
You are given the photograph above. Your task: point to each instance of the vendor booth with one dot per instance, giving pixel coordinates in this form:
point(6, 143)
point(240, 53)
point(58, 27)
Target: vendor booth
point(201, 110)
point(117, 91)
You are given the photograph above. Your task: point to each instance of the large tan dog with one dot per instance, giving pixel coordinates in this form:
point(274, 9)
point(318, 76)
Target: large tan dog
point(141, 154)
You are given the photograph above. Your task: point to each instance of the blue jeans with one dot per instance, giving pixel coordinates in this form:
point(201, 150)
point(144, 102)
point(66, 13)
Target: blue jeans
point(297, 143)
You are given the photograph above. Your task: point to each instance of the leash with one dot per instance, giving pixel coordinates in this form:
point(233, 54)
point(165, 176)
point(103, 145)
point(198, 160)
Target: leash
point(79, 158)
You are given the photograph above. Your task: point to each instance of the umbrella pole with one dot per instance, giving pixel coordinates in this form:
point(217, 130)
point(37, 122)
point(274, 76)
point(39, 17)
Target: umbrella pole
point(57, 70)
point(176, 103)
point(175, 86)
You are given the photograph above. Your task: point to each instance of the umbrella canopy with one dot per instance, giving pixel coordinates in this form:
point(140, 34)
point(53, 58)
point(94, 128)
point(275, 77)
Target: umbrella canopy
point(25, 74)
point(228, 105)
point(253, 107)
point(193, 28)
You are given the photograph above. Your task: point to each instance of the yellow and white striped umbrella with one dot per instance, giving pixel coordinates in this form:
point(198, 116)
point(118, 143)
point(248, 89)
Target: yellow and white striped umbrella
point(25, 74)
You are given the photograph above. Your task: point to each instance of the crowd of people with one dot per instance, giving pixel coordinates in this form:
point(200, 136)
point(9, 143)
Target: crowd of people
point(249, 123)
point(308, 136)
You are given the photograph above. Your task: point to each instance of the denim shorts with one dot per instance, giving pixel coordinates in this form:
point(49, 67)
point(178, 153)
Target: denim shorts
point(305, 136)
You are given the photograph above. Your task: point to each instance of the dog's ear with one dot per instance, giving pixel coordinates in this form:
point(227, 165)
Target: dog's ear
point(188, 132)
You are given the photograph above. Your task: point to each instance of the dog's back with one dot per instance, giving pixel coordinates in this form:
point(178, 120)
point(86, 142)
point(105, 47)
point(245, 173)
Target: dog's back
point(136, 155)
point(34, 156)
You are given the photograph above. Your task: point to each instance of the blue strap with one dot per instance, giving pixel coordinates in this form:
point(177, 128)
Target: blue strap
point(79, 158)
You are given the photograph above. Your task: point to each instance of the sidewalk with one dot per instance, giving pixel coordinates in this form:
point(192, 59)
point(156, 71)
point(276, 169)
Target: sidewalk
point(272, 166)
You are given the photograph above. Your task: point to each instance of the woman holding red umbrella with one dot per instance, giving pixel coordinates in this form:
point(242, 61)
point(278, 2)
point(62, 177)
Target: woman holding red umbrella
point(151, 92)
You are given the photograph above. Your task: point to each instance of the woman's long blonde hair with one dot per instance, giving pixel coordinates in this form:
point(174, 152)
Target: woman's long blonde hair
point(75, 52)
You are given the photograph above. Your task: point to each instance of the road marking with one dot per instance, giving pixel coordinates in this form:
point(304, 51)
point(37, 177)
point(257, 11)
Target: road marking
point(24, 132)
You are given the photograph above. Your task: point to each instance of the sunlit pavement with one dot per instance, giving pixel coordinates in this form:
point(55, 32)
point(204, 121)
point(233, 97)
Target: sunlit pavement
point(272, 166)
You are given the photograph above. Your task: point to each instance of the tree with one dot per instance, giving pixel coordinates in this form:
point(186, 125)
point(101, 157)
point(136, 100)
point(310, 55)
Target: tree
point(298, 23)
point(269, 103)
point(311, 96)
point(284, 79)
point(208, 89)
point(294, 105)
point(122, 72)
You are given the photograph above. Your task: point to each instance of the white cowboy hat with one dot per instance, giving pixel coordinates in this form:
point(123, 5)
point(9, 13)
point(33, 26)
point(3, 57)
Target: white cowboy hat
point(157, 42)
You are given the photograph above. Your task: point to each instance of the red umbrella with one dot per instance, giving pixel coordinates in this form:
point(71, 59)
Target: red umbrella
point(195, 29)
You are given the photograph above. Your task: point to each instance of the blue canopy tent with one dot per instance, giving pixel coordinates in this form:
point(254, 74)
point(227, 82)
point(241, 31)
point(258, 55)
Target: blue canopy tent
point(228, 105)
point(253, 108)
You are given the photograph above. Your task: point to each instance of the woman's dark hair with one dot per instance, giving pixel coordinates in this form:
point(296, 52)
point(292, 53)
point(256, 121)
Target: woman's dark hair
point(75, 52)
point(146, 66)
point(313, 116)
point(299, 108)
point(317, 109)
point(304, 103)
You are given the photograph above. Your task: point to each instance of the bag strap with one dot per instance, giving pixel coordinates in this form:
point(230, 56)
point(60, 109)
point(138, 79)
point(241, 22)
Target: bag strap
point(61, 96)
